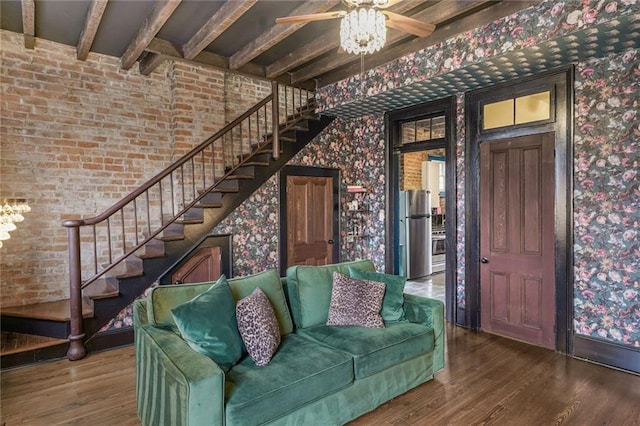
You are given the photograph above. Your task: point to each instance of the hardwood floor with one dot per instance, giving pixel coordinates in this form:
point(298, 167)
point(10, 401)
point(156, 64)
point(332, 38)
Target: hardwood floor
point(487, 380)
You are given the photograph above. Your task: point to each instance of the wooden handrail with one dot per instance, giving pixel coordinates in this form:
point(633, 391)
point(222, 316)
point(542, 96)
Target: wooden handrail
point(166, 172)
point(174, 171)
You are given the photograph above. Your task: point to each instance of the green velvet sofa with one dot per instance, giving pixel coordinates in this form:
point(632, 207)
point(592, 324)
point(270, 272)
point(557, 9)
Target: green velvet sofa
point(320, 375)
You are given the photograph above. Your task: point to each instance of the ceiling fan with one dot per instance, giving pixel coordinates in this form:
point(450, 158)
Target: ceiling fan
point(362, 29)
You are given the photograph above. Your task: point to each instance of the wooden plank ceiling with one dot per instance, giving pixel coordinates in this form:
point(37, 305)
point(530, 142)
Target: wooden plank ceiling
point(235, 35)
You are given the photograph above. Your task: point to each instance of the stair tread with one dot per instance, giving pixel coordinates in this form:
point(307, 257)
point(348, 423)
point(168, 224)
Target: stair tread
point(209, 205)
point(151, 255)
point(51, 311)
point(19, 342)
point(225, 190)
point(102, 288)
point(172, 237)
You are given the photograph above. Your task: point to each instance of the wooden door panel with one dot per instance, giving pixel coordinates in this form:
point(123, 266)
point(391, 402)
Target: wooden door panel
point(517, 238)
point(309, 220)
point(529, 202)
point(499, 199)
point(319, 191)
point(532, 301)
point(204, 265)
point(297, 225)
point(499, 295)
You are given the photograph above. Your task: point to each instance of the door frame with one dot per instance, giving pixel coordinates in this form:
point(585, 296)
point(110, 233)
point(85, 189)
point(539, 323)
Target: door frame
point(310, 171)
point(560, 82)
point(393, 119)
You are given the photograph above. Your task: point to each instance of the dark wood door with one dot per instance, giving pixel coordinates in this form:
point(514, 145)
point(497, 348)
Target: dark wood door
point(203, 266)
point(309, 220)
point(517, 278)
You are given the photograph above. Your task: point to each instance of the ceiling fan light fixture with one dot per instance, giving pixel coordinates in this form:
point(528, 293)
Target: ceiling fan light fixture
point(374, 3)
point(363, 31)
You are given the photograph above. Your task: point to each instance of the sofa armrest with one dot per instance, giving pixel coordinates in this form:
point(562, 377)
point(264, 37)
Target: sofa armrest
point(174, 383)
point(429, 312)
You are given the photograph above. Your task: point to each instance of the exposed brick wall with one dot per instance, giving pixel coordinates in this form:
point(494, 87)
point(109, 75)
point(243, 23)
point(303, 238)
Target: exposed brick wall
point(197, 105)
point(78, 136)
point(243, 92)
point(411, 170)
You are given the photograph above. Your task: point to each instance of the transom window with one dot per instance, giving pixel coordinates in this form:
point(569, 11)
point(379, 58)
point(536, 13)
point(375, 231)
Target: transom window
point(515, 111)
point(424, 129)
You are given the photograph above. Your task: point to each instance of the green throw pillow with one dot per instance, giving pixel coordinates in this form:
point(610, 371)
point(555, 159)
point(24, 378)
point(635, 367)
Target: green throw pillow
point(208, 324)
point(393, 302)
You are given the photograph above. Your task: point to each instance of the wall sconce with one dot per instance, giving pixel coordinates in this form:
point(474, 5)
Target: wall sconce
point(11, 213)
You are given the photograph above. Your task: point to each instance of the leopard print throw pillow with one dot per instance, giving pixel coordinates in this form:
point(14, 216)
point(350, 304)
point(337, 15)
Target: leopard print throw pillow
point(258, 326)
point(355, 302)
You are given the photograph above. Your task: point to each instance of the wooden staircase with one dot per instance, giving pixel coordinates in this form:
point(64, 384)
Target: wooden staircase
point(50, 326)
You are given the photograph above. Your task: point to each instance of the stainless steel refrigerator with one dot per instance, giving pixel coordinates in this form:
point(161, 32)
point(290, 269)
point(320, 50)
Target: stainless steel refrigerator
point(415, 233)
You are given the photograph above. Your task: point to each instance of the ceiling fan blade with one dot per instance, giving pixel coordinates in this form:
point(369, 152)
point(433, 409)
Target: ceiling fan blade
point(310, 18)
point(408, 25)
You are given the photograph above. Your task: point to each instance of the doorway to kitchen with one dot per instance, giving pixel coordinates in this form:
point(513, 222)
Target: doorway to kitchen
point(421, 194)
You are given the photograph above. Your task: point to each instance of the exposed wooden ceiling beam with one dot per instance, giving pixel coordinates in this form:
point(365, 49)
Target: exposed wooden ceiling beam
point(159, 15)
point(150, 62)
point(91, 24)
point(277, 33)
point(29, 23)
point(322, 45)
point(226, 16)
point(171, 51)
point(483, 17)
point(439, 12)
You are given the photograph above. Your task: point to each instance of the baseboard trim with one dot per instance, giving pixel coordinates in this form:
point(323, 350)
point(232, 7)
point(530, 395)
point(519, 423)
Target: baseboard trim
point(607, 353)
point(460, 317)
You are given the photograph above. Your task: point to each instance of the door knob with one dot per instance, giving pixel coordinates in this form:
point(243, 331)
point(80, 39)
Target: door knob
point(484, 260)
point(330, 241)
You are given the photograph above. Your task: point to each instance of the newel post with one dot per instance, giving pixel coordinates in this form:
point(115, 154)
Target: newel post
point(76, 347)
point(275, 117)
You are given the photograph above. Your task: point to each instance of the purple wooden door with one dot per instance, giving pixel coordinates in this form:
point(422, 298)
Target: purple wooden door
point(517, 278)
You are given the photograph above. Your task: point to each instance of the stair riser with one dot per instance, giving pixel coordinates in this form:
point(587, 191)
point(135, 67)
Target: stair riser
point(57, 329)
point(33, 356)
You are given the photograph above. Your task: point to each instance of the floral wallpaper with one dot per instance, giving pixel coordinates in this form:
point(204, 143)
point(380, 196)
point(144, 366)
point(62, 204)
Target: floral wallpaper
point(357, 148)
point(607, 199)
point(255, 225)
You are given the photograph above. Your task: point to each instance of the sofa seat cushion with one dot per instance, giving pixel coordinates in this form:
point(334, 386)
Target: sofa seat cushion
point(375, 349)
point(301, 371)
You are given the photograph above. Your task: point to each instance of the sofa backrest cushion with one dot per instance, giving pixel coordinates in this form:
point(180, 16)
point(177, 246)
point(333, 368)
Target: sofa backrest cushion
point(309, 289)
point(163, 298)
point(269, 282)
point(393, 302)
